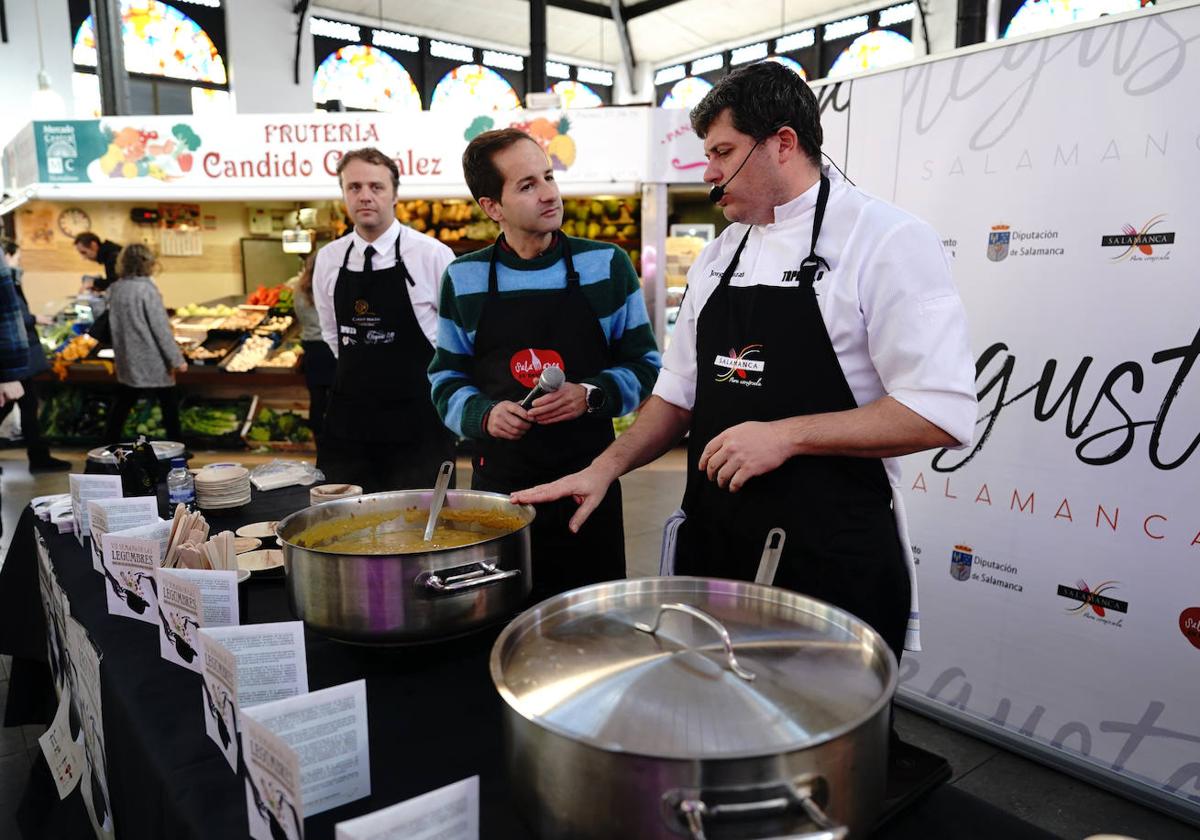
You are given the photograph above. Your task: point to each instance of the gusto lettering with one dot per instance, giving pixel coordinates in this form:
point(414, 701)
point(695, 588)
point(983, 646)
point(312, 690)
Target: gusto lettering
point(1103, 446)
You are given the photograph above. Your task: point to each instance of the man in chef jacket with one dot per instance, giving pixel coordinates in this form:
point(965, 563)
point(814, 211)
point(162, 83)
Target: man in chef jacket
point(821, 338)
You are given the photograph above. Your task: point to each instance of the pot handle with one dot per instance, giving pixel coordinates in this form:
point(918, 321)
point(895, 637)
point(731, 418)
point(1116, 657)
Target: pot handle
point(692, 810)
point(485, 575)
point(694, 612)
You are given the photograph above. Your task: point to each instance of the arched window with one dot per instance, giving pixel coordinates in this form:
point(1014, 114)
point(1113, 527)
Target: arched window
point(473, 87)
point(165, 50)
point(871, 51)
point(790, 63)
point(686, 93)
point(366, 78)
point(159, 40)
point(1040, 15)
point(576, 94)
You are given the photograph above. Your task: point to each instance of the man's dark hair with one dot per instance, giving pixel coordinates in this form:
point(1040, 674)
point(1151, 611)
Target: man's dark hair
point(9, 246)
point(87, 238)
point(369, 154)
point(763, 98)
point(478, 161)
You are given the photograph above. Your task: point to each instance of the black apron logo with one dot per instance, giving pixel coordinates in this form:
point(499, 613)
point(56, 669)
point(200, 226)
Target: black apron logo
point(739, 368)
point(527, 365)
point(361, 307)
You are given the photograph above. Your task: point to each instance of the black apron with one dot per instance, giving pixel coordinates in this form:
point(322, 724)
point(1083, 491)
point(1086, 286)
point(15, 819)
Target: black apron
point(381, 429)
point(763, 353)
point(517, 337)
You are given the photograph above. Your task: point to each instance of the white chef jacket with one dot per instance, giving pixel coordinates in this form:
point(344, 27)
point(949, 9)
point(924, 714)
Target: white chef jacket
point(888, 302)
point(425, 258)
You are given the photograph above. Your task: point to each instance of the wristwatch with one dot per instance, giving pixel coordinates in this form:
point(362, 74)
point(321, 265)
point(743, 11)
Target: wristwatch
point(595, 398)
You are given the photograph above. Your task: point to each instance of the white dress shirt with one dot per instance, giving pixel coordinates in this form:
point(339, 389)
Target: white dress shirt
point(888, 301)
point(425, 258)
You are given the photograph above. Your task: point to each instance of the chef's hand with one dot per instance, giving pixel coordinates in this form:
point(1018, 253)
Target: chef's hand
point(11, 392)
point(743, 451)
point(587, 487)
point(567, 403)
point(508, 421)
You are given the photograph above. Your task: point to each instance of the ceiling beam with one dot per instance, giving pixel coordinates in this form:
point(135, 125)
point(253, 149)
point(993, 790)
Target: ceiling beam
point(583, 7)
point(627, 57)
point(646, 7)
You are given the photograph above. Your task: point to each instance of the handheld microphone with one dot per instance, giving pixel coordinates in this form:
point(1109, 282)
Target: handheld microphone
point(551, 380)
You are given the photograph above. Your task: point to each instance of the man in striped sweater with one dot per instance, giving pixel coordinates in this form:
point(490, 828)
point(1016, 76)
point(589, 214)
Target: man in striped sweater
point(539, 299)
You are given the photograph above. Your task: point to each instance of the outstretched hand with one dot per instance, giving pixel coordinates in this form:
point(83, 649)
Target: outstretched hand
point(587, 487)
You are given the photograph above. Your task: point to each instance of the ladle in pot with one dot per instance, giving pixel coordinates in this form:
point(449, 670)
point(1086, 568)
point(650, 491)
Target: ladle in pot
point(445, 471)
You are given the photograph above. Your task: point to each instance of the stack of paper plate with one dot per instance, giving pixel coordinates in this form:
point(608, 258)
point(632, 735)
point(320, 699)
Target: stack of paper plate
point(222, 487)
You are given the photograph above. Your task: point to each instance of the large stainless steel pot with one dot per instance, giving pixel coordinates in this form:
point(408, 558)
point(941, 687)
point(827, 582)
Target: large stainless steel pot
point(669, 707)
point(402, 598)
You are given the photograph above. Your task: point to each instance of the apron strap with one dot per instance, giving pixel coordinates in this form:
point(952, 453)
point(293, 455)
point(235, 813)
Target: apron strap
point(733, 263)
point(346, 258)
point(810, 264)
point(404, 272)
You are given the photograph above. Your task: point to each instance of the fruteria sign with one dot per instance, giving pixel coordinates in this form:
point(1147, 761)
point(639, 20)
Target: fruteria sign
point(248, 151)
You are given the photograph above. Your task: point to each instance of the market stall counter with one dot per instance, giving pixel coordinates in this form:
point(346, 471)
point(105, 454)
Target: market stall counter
point(434, 714)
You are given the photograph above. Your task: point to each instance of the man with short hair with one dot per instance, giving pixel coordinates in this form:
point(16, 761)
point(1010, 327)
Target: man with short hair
point(821, 338)
point(91, 247)
point(376, 292)
point(40, 459)
point(538, 299)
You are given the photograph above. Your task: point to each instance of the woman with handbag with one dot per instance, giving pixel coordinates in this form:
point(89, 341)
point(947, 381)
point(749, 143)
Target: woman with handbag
point(146, 355)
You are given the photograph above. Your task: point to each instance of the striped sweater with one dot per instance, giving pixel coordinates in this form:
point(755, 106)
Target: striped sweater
point(607, 280)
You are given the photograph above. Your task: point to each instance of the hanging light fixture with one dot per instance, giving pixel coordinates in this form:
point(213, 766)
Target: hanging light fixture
point(46, 102)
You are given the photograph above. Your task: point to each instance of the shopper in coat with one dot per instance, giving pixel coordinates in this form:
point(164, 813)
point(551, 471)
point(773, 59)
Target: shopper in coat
point(146, 355)
point(31, 430)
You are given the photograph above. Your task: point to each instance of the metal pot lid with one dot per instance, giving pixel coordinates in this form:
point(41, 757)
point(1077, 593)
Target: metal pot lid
point(164, 450)
point(802, 672)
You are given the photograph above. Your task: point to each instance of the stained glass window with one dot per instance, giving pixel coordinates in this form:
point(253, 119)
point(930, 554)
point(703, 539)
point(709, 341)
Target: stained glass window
point(1040, 15)
point(365, 77)
point(576, 94)
point(159, 40)
point(871, 51)
point(790, 63)
point(686, 93)
point(473, 87)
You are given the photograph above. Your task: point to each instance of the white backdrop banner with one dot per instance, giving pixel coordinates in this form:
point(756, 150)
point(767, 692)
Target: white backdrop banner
point(1060, 555)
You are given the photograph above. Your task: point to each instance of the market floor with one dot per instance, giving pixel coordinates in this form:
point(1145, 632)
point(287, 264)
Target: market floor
point(1037, 794)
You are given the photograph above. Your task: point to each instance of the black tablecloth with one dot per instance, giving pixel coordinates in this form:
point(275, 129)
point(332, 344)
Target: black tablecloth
point(434, 715)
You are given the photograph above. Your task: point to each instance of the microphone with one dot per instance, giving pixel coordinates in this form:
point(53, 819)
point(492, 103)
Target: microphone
point(551, 380)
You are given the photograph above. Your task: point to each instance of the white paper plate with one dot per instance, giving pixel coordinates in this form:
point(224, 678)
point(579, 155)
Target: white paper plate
point(262, 530)
point(261, 561)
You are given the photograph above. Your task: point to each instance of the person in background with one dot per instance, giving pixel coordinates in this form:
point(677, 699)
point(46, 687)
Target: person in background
point(377, 292)
point(38, 451)
point(146, 355)
point(320, 364)
point(91, 247)
point(537, 299)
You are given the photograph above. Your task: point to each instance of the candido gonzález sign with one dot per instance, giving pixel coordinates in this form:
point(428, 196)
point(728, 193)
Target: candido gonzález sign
point(276, 150)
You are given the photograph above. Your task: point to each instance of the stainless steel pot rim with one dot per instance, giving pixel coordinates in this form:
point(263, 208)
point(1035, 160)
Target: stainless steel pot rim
point(164, 450)
point(368, 497)
point(576, 598)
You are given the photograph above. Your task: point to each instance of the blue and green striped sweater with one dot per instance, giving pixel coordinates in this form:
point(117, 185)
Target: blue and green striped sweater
point(609, 283)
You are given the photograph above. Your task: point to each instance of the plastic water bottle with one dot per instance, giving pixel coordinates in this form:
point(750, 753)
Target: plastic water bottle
point(181, 488)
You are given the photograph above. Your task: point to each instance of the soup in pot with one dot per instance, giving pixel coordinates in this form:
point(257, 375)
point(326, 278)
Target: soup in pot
point(404, 532)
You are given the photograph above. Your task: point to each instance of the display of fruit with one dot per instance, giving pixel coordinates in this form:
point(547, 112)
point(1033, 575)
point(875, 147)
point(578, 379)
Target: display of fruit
point(607, 218)
point(279, 297)
point(74, 415)
point(274, 324)
point(145, 418)
point(247, 357)
point(243, 319)
point(210, 421)
point(283, 359)
point(280, 426)
point(194, 310)
point(79, 347)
